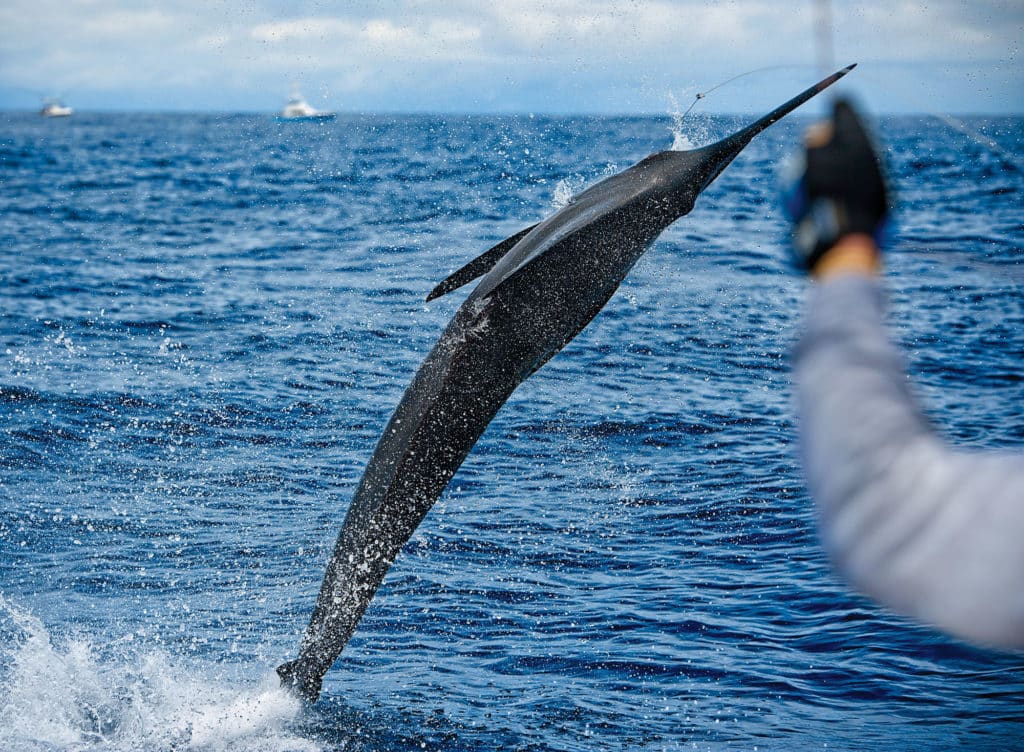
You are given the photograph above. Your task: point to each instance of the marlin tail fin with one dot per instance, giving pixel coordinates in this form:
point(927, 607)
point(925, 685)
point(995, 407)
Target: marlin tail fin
point(299, 683)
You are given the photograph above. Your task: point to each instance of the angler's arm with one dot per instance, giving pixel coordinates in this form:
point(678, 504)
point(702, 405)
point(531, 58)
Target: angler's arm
point(933, 532)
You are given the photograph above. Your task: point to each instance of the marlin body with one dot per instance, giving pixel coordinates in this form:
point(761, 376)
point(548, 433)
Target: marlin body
point(540, 288)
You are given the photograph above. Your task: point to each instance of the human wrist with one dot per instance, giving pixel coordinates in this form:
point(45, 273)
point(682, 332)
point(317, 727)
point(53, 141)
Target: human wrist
point(855, 253)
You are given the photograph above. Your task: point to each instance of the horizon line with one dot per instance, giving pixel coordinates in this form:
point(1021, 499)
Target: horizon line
point(474, 113)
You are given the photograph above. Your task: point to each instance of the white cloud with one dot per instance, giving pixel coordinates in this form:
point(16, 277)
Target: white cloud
point(652, 25)
point(912, 31)
point(338, 43)
point(130, 25)
point(304, 30)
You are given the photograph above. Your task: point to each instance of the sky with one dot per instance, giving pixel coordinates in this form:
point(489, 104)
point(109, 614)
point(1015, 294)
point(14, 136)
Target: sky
point(523, 56)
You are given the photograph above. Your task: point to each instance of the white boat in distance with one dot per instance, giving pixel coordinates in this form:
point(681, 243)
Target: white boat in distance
point(299, 109)
point(53, 108)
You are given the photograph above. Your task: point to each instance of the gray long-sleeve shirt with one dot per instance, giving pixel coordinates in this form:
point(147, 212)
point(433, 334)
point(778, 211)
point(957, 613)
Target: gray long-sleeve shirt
point(933, 532)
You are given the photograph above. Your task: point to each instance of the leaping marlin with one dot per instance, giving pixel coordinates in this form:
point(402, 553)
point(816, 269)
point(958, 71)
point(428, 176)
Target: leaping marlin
point(540, 288)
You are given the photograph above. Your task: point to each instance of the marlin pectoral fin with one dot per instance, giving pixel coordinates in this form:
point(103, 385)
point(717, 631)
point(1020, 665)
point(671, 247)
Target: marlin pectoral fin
point(478, 266)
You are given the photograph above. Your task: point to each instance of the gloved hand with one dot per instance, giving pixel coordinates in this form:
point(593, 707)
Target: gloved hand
point(836, 189)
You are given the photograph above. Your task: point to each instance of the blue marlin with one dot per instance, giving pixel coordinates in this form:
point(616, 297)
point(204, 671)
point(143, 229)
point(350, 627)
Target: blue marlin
point(540, 288)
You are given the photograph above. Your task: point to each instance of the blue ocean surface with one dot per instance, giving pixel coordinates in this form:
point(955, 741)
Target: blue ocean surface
point(207, 321)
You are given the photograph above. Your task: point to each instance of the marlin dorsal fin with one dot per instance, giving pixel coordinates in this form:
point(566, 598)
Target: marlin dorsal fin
point(478, 266)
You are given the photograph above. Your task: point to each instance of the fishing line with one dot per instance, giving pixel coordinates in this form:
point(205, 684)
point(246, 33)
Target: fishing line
point(823, 43)
point(824, 35)
point(994, 672)
point(1009, 159)
point(1007, 269)
point(701, 95)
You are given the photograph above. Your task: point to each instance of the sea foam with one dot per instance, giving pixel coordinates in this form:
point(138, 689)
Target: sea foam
point(77, 693)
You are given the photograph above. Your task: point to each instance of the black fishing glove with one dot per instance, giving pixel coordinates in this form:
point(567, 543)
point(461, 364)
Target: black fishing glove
point(836, 189)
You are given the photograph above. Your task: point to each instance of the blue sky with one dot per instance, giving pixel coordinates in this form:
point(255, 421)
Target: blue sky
point(602, 56)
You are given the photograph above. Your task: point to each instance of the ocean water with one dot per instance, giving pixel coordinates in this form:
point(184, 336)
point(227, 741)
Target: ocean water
point(207, 320)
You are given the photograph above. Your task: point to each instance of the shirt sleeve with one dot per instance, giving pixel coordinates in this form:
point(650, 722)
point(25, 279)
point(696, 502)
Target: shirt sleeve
point(933, 532)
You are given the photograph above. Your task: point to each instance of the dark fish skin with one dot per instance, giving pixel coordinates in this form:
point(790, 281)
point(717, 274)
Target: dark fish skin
point(539, 290)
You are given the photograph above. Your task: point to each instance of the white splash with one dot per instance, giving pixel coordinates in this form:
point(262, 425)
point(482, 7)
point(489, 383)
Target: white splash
point(687, 132)
point(71, 696)
point(569, 187)
point(565, 189)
